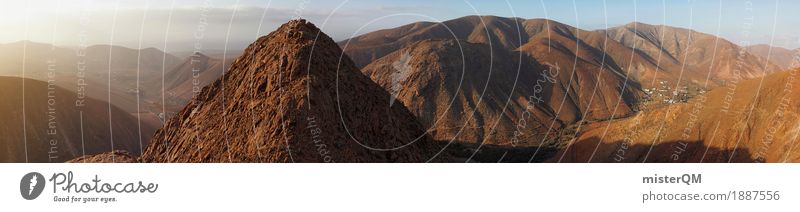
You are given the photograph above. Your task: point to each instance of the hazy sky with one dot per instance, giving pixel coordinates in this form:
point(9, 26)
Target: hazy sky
point(179, 25)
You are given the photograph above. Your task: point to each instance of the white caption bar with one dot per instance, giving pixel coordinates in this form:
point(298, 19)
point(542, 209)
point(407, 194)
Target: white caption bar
point(399, 187)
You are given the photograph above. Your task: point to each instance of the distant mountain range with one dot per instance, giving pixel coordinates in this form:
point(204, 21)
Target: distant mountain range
point(598, 75)
point(134, 89)
point(781, 57)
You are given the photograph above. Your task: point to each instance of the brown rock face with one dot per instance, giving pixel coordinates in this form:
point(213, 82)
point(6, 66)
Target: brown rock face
point(292, 97)
point(108, 157)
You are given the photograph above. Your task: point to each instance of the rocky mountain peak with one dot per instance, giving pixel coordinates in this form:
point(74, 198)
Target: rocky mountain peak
point(293, 96)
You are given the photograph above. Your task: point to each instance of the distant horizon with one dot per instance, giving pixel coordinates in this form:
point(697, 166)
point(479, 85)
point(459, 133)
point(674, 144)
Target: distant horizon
point(343, 39)
point(233, 24)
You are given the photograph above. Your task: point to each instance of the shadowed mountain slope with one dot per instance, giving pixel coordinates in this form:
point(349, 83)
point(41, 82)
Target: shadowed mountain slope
point(45, 125)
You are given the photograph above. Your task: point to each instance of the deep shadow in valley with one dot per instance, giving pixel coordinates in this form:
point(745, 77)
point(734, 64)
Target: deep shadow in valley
point(492, 153)
point(597, 151)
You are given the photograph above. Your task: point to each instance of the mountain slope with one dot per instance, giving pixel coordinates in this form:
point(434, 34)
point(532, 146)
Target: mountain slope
point(116, 156)
point(181, 83)
point(468, 92)
point(592, 85)
point(781, 57)
point(645, 54)
point(501, 32)
point(751, 121)
point(695, 55)
point(601, 74)
point(292, 97)
point(583, 85)
point(52, 128)
point(86, 72)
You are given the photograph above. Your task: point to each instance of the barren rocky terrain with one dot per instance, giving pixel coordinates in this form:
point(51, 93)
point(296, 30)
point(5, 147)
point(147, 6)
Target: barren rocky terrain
point(478, 89)
point(292, 97)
